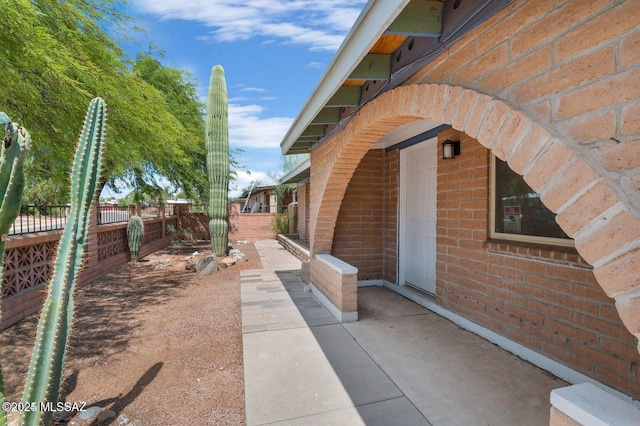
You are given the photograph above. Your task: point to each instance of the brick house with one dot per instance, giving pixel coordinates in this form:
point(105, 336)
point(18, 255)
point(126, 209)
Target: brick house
point(530, 233)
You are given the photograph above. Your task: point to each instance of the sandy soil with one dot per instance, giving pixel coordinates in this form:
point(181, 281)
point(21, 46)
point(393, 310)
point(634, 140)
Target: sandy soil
point(163, 346)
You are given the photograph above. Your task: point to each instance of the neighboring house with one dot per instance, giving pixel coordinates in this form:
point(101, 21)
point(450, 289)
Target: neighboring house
point(264, 199)
point(530, 232)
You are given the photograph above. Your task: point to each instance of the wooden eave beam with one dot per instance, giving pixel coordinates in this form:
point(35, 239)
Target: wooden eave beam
point(346, 96)
point(313, 131)
point(420, 18)
point(327, 115)
point(373, 67)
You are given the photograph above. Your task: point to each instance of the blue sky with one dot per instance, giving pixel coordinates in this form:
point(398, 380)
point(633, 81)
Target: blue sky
point(273, 53)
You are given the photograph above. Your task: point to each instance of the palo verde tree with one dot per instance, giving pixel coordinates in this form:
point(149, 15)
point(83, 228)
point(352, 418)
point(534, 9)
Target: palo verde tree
point(64, 53)
point(217, 145)
point(187, 170)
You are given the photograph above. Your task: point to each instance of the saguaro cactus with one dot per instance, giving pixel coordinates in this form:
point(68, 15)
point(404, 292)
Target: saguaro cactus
point(54, 327)
point(217, 144)
point(13, 152)
point(135, 231)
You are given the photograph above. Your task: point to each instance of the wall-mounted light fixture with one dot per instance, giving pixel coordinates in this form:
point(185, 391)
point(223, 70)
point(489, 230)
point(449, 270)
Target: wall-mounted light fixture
point(450, 149)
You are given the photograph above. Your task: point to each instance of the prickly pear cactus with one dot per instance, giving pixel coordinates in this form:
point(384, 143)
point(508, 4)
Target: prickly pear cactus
point(13, 151)
point(135, 232)
point(217, 144)
point(45, 373)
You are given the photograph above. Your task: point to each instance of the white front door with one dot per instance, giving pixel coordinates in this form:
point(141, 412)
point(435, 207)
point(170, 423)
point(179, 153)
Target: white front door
point(418, 185)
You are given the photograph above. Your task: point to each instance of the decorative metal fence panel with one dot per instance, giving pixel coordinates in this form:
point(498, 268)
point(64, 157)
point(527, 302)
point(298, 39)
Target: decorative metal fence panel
point(114, 214)
point(39, 218)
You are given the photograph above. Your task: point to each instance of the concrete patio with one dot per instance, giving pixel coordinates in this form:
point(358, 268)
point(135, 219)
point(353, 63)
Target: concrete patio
point(399, 364)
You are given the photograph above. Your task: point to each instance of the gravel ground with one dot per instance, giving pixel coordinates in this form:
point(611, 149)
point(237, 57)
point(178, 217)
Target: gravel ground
point(160, 345)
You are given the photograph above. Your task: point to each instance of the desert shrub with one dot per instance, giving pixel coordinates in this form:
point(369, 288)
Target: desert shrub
point(281, 223)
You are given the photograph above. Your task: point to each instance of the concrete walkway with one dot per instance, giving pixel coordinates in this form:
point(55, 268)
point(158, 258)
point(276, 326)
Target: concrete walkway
point(399, 364)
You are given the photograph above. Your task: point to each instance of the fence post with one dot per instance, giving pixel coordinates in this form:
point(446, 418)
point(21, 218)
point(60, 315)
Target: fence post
point(163, 216)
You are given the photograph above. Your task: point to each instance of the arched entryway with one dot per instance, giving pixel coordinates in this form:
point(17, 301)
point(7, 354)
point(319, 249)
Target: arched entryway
point(590, 206)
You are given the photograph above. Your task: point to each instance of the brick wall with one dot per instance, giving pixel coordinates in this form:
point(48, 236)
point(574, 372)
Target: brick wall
point(339, 286)
point(358, 238)
point(571, 65)
point(29, 258)
point(552, 88)
point(252, 226)
point(543, 297)
point(303, 211)
point(391, 202)
point(242, 226)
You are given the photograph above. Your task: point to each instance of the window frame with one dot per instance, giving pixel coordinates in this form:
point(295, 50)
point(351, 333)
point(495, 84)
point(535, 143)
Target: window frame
point(493, 234)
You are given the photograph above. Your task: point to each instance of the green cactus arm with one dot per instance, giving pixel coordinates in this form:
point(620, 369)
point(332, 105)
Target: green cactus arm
point(217, 145)
point(44, 377)
point(14, 149)
point(16, 144)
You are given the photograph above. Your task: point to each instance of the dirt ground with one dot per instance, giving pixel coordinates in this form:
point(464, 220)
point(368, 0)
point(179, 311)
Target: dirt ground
point(163, 346)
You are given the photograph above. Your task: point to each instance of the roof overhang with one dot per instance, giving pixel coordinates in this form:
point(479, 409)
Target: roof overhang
point(301, 172)
point(390, 41)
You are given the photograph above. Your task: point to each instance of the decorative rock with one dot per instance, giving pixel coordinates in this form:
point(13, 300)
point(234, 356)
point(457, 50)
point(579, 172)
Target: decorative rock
point(160, 264)
point(106, 414)
point(237, 255)
point(89, 413)
point(204, 262)
point(210, 269)
point(191, 266)
point(123, 420)
point(240, 257)
point(227, 261)
point(195, 253)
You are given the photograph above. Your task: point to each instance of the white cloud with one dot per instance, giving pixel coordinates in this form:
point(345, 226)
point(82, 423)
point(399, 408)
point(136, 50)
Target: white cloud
point(253, 89)
point(248, 130)
point(314, 65)
point(244, 179)
point(319, 24)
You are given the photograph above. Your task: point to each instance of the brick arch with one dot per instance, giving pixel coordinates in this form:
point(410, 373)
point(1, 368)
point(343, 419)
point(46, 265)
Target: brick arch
point(590, 210)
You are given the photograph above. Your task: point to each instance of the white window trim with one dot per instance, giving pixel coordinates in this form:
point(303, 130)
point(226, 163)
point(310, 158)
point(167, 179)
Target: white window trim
point(563, 242)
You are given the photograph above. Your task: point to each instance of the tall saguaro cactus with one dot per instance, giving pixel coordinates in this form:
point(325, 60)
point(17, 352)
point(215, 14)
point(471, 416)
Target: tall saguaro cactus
point(13, 152)
point(44, 377)
point(217, 144)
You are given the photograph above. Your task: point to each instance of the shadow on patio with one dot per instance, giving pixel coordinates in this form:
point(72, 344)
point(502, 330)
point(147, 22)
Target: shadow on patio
point(399, 364)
